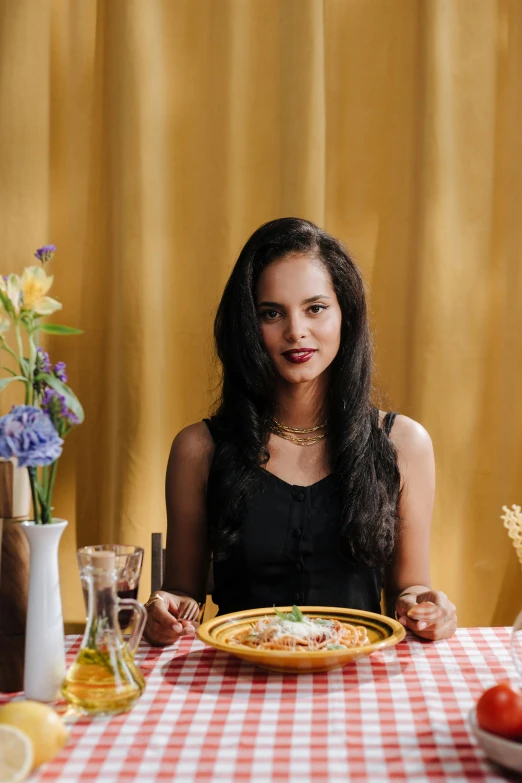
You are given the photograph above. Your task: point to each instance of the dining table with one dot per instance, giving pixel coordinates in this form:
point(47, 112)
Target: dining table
point(400, 714)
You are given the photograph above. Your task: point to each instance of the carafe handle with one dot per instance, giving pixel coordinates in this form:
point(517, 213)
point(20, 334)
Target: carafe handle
point(139, 625)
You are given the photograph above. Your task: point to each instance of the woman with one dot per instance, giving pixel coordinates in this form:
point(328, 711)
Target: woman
point(303, 491)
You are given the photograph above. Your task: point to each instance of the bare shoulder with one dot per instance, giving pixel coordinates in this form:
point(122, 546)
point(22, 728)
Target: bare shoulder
point(410, 436)
point(414, 446)
point(193, 446)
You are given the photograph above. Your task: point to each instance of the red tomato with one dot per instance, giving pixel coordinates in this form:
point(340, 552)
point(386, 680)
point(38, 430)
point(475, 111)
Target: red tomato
point(499, 710)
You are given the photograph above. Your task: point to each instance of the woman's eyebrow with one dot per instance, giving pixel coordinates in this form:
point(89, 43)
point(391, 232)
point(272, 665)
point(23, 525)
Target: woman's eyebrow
point(305, 301)
point(316, 298)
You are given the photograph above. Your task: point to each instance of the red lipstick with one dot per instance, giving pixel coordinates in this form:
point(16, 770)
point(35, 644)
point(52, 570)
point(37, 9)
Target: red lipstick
point(299, 355)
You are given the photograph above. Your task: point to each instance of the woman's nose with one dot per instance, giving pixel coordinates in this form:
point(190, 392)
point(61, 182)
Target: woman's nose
point(296, 328)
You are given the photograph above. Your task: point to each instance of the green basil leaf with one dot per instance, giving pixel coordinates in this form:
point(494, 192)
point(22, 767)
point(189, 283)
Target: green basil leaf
point(281, 615)
point(297, 613)
point(59, 329)
point(6, 381)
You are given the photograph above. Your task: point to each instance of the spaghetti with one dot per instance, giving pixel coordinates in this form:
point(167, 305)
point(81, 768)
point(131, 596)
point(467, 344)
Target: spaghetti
point(295, 632)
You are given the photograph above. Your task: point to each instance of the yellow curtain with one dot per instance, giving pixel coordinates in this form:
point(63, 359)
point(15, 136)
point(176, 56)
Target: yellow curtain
point(149, 138)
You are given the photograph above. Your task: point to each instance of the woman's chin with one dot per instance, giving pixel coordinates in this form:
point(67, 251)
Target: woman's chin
point(298, 374)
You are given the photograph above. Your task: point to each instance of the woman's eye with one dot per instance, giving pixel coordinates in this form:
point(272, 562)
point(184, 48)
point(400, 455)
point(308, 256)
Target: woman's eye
point(315, 309)
point(269, 314)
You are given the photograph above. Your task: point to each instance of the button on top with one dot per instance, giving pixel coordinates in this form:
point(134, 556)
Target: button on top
point(300, 496)
point(299, 566)
point(297, 532)
point(298, 596)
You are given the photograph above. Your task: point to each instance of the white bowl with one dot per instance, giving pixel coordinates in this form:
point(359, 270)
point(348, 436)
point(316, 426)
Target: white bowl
point(507, 753)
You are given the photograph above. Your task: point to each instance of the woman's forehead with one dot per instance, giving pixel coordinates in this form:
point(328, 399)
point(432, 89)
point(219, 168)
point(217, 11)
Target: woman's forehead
point(295, 277)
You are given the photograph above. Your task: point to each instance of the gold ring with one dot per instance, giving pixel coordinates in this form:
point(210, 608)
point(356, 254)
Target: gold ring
point(154, 597)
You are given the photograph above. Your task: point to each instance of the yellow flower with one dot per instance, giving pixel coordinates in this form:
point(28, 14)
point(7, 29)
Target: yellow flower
point(34, 284)
point(5, 321)
point(10, 286)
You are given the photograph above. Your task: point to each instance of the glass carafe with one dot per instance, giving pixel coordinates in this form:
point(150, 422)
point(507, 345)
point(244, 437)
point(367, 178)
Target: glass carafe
point(104, 679)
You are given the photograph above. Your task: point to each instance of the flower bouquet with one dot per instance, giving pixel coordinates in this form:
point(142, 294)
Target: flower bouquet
point(31, 437)
point(33, 433)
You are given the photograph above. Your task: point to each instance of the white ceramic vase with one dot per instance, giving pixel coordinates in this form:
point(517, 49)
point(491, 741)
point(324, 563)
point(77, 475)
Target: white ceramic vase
point(44, 667)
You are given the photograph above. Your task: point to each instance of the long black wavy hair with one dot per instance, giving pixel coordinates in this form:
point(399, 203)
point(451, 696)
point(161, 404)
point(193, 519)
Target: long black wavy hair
point(362, 458)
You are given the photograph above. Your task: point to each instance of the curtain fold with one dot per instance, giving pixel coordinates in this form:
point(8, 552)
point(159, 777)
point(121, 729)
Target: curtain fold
point(148, 139)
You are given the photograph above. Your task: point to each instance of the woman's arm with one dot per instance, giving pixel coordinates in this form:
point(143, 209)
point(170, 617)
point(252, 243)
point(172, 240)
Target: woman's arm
point(187, 553)
point(172, 611)
point(407, 581)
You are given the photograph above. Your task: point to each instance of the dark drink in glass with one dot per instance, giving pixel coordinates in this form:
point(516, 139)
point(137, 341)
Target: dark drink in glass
point(125, 615)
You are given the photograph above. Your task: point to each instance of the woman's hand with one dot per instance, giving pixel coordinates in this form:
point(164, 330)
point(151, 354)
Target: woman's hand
point(430, 615)
point(170, 616)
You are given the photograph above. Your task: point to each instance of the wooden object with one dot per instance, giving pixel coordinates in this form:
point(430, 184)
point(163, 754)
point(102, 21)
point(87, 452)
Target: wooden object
point(14, 585)
point(15, 506)
point(15, 491)
point(158, 556)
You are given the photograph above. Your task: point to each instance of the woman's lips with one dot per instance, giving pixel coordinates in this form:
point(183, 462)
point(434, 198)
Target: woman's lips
point(299, 356)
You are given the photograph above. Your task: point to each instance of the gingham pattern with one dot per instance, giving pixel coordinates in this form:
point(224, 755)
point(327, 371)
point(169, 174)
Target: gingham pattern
point(399, 715)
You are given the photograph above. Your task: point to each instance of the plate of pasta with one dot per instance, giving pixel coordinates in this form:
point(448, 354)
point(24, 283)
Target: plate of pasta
point(305, 639)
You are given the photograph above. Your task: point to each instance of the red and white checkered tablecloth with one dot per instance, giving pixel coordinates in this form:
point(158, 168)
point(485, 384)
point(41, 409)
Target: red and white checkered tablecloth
point(398, 715)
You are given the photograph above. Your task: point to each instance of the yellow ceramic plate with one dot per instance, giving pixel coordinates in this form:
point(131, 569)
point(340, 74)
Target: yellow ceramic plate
point(382, 632)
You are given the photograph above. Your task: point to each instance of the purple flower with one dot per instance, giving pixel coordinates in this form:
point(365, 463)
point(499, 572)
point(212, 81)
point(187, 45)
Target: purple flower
point(28, 434)
point(43, 363)
point(45, 253)
point(54, 404)
point(59, 370)
point(49, 396)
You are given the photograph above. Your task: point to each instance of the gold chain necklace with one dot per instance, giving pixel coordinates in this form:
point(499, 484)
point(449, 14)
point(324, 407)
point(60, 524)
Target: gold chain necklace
point(288, 433)
point(299, 429)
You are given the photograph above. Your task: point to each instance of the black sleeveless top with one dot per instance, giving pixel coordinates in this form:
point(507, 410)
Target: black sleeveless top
point(290, 551)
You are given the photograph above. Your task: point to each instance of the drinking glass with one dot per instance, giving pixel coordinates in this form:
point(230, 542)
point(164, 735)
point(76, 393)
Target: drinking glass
point(129, 560)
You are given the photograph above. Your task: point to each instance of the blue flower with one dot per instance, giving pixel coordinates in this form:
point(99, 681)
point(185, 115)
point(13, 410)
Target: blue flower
point(28, 434)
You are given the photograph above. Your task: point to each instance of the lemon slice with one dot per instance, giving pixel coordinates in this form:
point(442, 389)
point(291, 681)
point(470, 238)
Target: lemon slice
point(16, 755)
point(40, 723)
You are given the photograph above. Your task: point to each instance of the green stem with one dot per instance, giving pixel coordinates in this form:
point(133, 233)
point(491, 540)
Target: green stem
point(32, 480)
point(46, 515)
point(20, 345)
point(7, 369)
point(32, 364)
point(7, 348)
point(52, 478)
point(28, 386)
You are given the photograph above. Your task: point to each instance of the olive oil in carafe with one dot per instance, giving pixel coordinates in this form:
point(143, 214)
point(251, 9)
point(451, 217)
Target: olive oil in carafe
point(99, 682)
point(104, 680)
